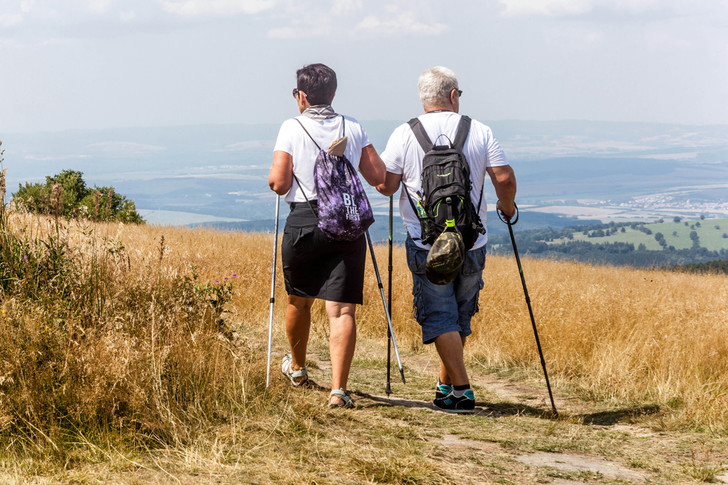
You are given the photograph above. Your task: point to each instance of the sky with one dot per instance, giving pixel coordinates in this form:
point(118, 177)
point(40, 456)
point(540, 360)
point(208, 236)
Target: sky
point(86, 64)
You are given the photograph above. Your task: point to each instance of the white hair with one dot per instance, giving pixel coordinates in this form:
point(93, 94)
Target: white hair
point(435, 85)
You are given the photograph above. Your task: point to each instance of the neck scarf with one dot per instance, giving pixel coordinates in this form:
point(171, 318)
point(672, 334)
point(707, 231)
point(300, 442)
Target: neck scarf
point(320, 112)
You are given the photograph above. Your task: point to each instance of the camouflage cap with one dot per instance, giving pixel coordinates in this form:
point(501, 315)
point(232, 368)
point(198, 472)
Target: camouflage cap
point(445, 258)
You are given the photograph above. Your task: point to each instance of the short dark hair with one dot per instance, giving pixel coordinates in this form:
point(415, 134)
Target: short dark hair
point(318, 81)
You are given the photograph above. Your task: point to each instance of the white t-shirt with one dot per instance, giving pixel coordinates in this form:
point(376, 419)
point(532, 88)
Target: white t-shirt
point(403, 155)
point(294, 141)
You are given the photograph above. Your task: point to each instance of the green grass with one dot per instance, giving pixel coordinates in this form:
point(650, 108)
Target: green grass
point(676, 234)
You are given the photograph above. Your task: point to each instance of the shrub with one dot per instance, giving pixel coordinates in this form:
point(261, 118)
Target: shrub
point(67, 195)
point(89, 346)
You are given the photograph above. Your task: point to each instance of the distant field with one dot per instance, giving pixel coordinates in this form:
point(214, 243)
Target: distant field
point(710, 233)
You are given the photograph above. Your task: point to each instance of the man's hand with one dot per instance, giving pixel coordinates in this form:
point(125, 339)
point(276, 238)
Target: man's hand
point(508, 211)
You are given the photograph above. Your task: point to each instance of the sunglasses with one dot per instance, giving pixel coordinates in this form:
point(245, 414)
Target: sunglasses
point(460, 92)
point(295, 92)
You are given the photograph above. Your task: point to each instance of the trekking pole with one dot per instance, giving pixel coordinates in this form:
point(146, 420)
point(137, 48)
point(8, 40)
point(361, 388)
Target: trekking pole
point(510, 224)
point(388, 389)
point(386, 309)
point(272, 289)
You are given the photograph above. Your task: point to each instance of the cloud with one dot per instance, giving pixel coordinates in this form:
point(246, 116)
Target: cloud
point(199, 8)
point(342, 7)
point(26, 5)
point(296, 32)
point(403, 23)
point(10, 19)
point(544, 7)
point(354, 18)
point(127, 15)
point(567, 8)
point(99, 6)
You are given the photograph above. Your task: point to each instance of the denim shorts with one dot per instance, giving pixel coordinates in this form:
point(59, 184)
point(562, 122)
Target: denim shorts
point(440, 309)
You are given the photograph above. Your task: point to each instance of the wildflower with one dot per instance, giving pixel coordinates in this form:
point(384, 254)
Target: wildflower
point(235, 275)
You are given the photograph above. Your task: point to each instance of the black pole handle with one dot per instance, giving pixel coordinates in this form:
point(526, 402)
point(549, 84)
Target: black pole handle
point(510, 221)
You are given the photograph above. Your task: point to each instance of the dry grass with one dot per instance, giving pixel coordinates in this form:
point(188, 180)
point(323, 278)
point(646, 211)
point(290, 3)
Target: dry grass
point(130, 355)
point(618, 334)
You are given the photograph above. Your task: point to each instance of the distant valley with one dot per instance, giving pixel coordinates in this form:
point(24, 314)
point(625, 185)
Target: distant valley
point(569, 172)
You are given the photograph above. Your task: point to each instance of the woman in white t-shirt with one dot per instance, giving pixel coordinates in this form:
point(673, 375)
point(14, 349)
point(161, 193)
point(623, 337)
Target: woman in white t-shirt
point(315, 266)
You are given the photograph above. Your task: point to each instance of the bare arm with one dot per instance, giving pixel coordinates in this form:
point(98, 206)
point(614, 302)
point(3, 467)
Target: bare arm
point(371, 166)
point(391, 184)
point(280, 177)
point(504, 182)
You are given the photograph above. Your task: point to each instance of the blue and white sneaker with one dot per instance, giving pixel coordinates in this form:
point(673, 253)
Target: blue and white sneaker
point(452, 404)
point(442, 390)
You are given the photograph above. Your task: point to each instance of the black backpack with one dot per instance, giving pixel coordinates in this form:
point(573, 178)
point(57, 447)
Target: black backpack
point(446, 186)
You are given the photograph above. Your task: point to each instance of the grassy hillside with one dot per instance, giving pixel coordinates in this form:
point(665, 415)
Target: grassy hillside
point(710, 233)
point(137, 354)
point(636, 244)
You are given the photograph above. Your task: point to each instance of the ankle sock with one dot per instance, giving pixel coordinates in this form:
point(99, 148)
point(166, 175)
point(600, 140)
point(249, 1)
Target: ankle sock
point(459, 391)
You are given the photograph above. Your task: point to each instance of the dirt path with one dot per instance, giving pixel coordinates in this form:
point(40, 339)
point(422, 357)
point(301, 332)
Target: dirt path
point(519, 441)
point(511, 438)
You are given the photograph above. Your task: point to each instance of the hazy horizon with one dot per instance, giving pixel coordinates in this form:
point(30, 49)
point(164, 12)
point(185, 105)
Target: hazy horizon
point(591, 170)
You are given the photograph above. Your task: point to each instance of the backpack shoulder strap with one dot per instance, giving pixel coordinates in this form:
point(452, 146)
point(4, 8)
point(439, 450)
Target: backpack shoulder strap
point(462, 134)
point(460, 138)
point(414, 208)
point(309, 134)
point(420, 134)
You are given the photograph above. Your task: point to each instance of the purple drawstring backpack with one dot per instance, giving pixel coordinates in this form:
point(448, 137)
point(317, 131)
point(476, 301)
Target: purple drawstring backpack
point(344, 212)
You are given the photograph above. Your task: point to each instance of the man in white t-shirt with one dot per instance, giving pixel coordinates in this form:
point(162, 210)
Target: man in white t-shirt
point(444, 311)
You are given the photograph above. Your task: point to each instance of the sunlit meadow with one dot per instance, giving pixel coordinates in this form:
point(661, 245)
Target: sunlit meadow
point(150, 337)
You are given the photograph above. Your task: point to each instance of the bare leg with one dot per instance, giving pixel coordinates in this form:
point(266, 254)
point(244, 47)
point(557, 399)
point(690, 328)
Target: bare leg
point(298, 325)
point(342, 342)
point(452, 369)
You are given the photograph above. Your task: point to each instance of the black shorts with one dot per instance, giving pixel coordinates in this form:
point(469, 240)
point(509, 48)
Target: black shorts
point(315, 266)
